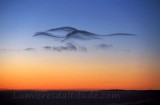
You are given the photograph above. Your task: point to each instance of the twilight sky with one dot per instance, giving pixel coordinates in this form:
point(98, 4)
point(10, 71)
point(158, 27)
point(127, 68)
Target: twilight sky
point(129, 63)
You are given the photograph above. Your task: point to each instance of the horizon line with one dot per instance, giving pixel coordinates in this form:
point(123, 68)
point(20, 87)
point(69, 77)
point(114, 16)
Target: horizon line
point(77, 89)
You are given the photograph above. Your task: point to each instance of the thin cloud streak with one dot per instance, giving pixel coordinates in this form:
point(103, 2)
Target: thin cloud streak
point(29, 49)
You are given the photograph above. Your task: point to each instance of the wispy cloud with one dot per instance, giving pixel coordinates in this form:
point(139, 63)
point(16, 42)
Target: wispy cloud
point(104, 46)
point(67, 33)
point(73, 33)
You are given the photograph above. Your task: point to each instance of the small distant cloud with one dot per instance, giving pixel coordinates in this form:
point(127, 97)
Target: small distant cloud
point(71, 46)
point(83, 49)
point(104, 46)
point(68, 47)
point(47, 47)
point(29, 49)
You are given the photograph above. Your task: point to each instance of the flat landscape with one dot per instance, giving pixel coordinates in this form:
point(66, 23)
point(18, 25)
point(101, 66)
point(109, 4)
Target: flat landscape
point(101, 97)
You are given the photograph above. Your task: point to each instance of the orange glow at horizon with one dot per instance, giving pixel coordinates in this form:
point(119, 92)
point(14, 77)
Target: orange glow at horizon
point(35, 70)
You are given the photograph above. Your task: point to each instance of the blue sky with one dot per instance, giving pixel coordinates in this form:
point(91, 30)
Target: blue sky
point(129, 61)
point(20, 19)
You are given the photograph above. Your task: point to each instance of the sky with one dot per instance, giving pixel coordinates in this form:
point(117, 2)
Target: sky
point(129, 63)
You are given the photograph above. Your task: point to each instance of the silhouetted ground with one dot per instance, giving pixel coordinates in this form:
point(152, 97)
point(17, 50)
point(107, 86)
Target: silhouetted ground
point(102, 97)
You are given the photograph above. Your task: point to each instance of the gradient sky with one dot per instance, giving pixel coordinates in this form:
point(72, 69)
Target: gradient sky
point(132, 63)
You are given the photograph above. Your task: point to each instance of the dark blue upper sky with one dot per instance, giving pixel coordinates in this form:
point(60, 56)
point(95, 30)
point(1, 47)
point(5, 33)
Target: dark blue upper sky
point(20, 19)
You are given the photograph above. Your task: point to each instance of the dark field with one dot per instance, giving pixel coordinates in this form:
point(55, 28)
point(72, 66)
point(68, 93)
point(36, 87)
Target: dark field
point(102, 97)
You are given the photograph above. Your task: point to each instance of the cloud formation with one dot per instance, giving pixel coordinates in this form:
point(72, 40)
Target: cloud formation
point(67, 47)
point(73, 33)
